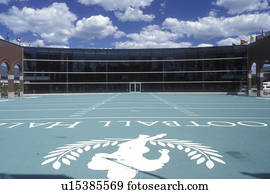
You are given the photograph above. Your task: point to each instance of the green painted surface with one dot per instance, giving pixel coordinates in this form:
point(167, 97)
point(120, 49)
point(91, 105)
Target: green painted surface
point(237, 127)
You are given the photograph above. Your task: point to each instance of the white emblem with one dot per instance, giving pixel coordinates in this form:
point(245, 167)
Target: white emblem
point(129, 159)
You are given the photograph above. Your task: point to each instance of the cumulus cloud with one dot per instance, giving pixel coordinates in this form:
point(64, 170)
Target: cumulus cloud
point(152, 36)
point(38, 43)
point(112, 5)
point(133, 14)
point(1, 37)
point(119, 34)
point(205, 45)
point(41, 43)
point(228, 41)
point(233, 40)
point(96, 27)
point(124, 10)
point(213, 27)
point(53, 23)
point(240, 6)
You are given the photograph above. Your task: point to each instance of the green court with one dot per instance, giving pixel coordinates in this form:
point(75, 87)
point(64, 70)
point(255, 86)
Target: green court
point(138, 135)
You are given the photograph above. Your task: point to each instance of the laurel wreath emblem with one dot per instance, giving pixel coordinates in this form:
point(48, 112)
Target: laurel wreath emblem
point(71, 152)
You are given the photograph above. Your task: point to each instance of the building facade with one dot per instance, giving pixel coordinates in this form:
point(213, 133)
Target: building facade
point(209, 69)
point(11, 69)
point(258, 56)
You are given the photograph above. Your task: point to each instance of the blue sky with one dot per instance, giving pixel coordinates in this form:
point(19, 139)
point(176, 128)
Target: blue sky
point(133, 23)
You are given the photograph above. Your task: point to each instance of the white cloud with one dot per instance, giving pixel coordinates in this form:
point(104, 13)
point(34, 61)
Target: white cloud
point(54, 24)
point(39, 43)
point(228, 41)
point(112, 5)
point(1, 37)
point(133, 14)
point(205, 45)
point(149, 44)
point(162, 7)
point(236, 40)
point(119, 34)
point(124, 10)
point(96, 27)
point(152, 37)
point(212, 27)
point(240, 6)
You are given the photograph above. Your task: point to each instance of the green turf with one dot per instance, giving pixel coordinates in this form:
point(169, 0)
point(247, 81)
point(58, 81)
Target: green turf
point(237, 127)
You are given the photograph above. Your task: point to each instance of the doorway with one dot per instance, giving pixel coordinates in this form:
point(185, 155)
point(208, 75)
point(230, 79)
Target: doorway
point(135, 87)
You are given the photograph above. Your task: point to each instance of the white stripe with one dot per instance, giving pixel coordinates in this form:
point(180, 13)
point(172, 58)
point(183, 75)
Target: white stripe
point(126, 108)
point(228, 108)
point(93, 118)
point(132, 108)
point(3, 101)
point(263, 98)
point(93, 107)
point(175, 106)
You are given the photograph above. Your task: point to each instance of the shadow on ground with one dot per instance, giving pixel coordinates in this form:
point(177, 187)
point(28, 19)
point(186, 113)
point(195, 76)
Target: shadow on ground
point(32, 176)
point(257, 175)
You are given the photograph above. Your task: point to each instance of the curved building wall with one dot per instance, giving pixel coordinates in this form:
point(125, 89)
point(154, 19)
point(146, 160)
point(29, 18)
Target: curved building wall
point(216, 69)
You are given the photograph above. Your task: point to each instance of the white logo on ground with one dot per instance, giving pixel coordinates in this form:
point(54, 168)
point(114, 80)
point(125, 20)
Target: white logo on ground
point(128, 160)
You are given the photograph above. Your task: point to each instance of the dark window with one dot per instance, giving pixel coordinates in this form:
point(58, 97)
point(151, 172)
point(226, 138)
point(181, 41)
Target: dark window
point(107, 70)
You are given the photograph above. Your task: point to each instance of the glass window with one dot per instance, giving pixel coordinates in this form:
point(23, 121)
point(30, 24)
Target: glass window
point(199, 69)
point(4, 71)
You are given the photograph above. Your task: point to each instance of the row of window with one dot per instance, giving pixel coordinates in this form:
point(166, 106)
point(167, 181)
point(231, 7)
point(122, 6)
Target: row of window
point(110, 70)
point(54, 66)
point(141, 77)
point(132, 54)
point(125, 87)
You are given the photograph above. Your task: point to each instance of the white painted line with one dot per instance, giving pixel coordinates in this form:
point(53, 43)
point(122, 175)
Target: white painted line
point(30, 97)
point(136, 102)
point(7, 100)
point(263, 98)
point(223, 108)
point(3, 100)
point(176, 107)
point(93, 107)
point(129, 108)
point(38, 110)
point(93, 118)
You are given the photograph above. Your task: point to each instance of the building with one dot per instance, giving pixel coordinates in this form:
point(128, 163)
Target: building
point(64, 70)
point(11, 69)
point(216, 69)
